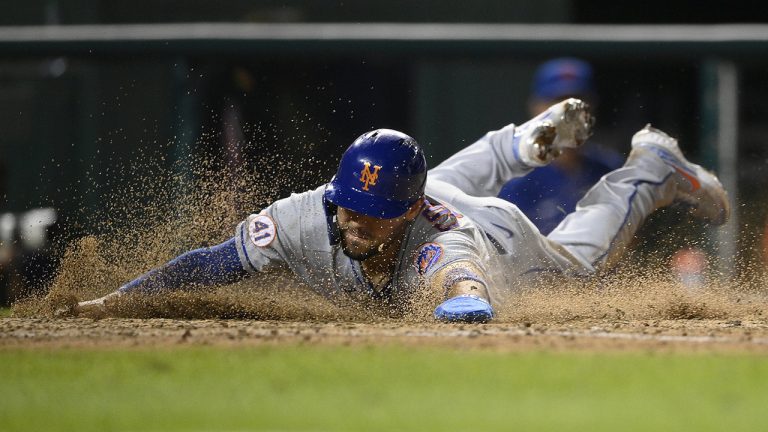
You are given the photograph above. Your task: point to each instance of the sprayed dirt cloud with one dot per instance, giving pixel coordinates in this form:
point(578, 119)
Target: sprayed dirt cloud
point(168, 211)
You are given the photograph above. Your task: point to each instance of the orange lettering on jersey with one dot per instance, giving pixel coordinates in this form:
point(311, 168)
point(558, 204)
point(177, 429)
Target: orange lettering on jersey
point(367, 177)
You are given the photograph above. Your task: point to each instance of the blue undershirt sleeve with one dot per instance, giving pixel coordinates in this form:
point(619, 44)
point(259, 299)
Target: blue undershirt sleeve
point(217, 265)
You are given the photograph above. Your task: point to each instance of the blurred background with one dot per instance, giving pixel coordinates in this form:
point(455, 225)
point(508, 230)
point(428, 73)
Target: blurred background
point(87, 85)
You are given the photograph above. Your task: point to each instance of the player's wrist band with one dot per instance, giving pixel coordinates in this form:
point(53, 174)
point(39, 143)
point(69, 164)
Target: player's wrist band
point(472, 296)
point(457, 275)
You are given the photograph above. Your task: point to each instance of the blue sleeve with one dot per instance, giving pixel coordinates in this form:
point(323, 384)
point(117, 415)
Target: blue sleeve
point(217, 265)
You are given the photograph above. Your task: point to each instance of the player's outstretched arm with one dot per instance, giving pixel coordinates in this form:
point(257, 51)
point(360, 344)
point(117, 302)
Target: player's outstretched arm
point(217, 265)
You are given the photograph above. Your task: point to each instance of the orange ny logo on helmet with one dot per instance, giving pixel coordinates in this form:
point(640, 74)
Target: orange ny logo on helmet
point(367, 177)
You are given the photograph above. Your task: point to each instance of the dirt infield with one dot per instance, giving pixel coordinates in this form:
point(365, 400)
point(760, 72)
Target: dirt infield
point(615, 315)
point(589, 335)
point(626, 312)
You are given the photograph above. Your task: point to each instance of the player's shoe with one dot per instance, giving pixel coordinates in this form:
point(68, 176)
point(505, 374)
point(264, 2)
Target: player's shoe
point(566, 124)
point(464, 308)
point(698, 188)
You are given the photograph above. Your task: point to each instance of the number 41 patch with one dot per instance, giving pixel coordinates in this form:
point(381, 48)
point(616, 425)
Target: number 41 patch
point(262, 230)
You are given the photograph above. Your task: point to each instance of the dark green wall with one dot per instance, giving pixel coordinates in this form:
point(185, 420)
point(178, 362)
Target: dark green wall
point(110, 11)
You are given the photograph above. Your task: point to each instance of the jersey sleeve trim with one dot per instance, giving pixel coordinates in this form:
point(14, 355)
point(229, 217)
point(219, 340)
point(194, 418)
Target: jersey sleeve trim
point(243, 249)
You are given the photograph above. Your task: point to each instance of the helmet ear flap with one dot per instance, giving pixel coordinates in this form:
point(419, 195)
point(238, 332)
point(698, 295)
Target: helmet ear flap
point(382, 174)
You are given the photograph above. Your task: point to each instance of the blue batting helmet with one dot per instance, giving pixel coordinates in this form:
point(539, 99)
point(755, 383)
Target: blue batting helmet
point(382, 174)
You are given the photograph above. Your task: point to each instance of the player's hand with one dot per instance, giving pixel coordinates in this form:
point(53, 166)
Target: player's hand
point(97, 306)
point(464, 308)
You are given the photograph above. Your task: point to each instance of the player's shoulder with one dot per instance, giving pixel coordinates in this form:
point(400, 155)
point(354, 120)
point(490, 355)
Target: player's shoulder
point(439, 217)
point(308, 200)
point(442, 235)
point(300, 221)
point(299, 212)
point(442, 223)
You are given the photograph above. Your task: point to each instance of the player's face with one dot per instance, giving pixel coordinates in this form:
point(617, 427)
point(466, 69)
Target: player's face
point(365, 236)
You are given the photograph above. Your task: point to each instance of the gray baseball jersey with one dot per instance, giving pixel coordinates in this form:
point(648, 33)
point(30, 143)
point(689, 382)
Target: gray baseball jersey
point(299, 232)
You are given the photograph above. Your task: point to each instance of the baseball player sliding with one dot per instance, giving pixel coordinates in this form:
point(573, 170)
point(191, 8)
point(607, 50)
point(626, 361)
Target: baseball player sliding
point(385, 227)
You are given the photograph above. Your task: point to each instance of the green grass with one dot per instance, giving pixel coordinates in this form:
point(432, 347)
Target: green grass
point(378, 389)
point(5, 312)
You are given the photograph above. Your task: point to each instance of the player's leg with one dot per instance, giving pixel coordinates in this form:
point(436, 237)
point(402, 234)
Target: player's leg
point(482, 168)
point(655, 175)
point(512, 232)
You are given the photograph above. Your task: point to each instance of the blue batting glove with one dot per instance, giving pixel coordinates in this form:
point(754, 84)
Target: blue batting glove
point(464, 308)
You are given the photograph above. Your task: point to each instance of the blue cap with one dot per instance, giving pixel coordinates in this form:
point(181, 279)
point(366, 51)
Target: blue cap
point(561, 78)
point(382, 174)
